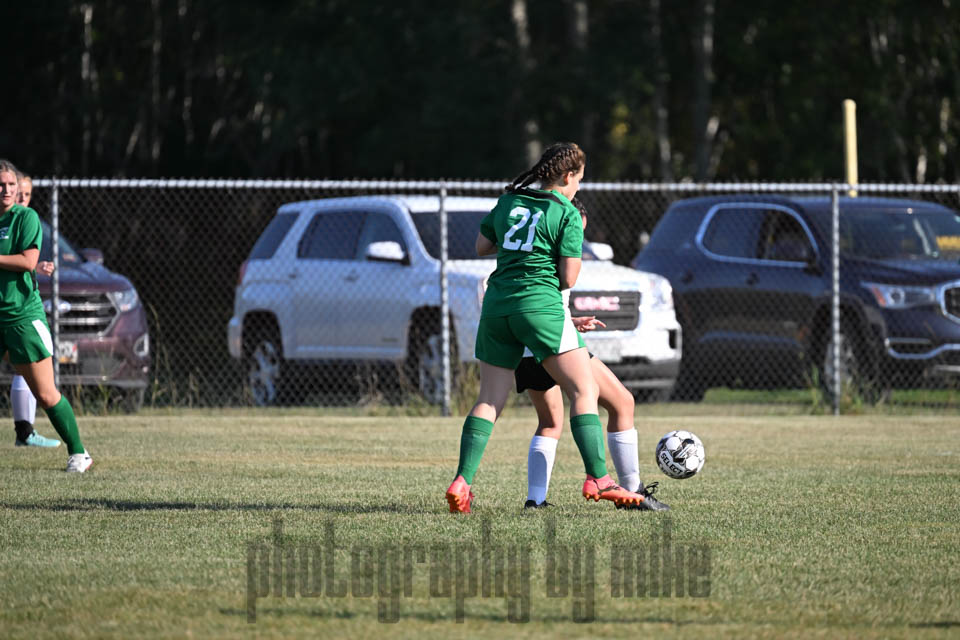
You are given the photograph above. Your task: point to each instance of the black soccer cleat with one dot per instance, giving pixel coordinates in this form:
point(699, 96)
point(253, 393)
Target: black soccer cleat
point(530, 504)
point(649, 502)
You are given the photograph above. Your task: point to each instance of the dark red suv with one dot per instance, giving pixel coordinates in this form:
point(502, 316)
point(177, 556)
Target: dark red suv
point(103, 340)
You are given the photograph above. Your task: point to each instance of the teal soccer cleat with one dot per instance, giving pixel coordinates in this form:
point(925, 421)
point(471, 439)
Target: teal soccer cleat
point(37, 440)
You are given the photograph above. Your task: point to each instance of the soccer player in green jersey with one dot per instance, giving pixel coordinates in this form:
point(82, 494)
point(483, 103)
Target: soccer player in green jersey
point(24, 334)
point(22, 403)
point(537, 236)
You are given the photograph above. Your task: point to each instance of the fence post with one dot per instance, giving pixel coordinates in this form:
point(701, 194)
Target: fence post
point(55, 280)
point(835, 300)
point(444, 301)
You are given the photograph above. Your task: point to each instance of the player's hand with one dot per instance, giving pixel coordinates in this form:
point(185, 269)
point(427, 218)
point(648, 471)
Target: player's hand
point(587, 323)
point(45, 268)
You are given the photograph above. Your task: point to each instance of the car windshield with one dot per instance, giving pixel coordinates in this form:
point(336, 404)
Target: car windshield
point(899, 234)
point(68, 255)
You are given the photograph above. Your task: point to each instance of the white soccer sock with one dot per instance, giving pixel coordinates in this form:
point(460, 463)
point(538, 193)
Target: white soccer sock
point(543, 451)
point(22, 402)
point(623, 450)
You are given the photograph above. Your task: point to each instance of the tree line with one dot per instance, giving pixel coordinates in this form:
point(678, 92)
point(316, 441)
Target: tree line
point(654, 90)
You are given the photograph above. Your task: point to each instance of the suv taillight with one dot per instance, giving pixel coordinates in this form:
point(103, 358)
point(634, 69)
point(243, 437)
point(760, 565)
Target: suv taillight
point(241, 272)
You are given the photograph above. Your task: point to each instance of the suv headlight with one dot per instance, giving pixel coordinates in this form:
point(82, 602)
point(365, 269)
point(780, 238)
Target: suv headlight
point(898, 296)
point(661, 293)
point(124, 300)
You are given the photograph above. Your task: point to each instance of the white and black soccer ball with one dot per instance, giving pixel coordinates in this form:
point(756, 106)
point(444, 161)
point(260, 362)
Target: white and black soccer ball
point(680, 454)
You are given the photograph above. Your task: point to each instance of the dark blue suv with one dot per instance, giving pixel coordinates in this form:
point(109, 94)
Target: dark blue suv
point(752, 285)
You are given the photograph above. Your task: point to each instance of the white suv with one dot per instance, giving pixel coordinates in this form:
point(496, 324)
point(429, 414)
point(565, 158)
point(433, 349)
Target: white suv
point(357, 281)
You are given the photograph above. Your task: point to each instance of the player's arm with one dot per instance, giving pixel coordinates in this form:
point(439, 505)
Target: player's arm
point(568, 270)
point(23, 261)
point(485, 246)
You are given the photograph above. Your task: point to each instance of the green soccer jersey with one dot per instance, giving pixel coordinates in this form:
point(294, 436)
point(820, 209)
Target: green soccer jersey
point(532, 230)
point(19, 299)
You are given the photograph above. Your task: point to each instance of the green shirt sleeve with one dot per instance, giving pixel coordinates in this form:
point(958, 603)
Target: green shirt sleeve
point(571, 234)
point(30, 234)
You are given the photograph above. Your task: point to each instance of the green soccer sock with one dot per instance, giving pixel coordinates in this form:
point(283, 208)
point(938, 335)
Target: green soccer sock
point(65, 422)
point(473, 440)
point(588, 434)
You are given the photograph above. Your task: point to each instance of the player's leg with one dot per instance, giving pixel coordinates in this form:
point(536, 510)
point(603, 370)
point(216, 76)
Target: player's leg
point(571, 370)
point(548, 402)
point(30, 354)
point(495, 384)
point(24, 408)
point(622, 435)
point(499, 354)
point(543, 445)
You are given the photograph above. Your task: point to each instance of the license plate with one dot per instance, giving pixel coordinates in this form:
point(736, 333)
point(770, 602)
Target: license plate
point(67, 352)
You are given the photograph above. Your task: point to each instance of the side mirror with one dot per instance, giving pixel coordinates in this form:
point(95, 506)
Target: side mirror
point(386, 251)
point(93, 255)
point(601, 250)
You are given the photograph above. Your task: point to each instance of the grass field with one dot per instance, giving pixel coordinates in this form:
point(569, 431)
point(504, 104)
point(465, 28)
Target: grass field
point(798, 526)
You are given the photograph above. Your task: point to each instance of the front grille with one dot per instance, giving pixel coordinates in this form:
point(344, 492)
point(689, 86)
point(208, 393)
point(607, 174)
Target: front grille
point(619, 310)
point(84, 314)
point(951, 302)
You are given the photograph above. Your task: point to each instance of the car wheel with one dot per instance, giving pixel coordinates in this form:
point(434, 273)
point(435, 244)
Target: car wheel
point(131, 400)
point(855, 368)
point(425, 363)
point(264, 367)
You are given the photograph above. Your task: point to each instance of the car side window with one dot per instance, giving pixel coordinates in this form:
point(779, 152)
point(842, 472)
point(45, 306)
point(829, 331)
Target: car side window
point(379, 227)
point(733, 232)
point(272, 236)
point(783, 238)
point(331, 236)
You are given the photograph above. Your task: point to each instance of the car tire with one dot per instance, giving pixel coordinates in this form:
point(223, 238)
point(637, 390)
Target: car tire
point(424, 367)
point(131, 400)
point(857, 368)
point(650, 396)
point(264, 368)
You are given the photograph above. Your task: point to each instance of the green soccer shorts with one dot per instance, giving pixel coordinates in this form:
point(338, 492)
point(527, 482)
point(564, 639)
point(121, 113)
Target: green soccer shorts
point(27, 342)
point(500, 341)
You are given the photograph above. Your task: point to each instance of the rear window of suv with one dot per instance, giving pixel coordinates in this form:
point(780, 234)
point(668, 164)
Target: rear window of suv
point(272, 236)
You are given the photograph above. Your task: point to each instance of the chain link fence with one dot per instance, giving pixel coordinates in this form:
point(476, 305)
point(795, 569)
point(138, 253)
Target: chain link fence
point(336, 293)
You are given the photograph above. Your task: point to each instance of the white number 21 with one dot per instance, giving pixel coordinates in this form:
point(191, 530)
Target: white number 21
point(508, 240)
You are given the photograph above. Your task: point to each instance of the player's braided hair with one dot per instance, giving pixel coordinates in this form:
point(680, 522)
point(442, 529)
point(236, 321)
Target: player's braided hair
point(556, 160)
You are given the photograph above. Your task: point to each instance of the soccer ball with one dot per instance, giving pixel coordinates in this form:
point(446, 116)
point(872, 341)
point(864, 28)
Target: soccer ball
point(680, 454)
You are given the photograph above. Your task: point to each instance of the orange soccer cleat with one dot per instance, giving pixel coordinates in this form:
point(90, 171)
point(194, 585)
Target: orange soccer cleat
point(606, 489)
point(459, 496)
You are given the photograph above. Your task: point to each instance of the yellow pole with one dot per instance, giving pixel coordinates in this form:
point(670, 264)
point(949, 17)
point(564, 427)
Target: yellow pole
point(850, 143)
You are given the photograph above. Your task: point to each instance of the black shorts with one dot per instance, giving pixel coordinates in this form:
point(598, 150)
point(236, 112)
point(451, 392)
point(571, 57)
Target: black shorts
point(530, 374)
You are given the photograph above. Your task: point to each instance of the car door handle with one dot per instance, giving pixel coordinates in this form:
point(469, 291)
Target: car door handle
point(687, 277)
point(752, 278)
point(351, 277)
point(293, 275)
